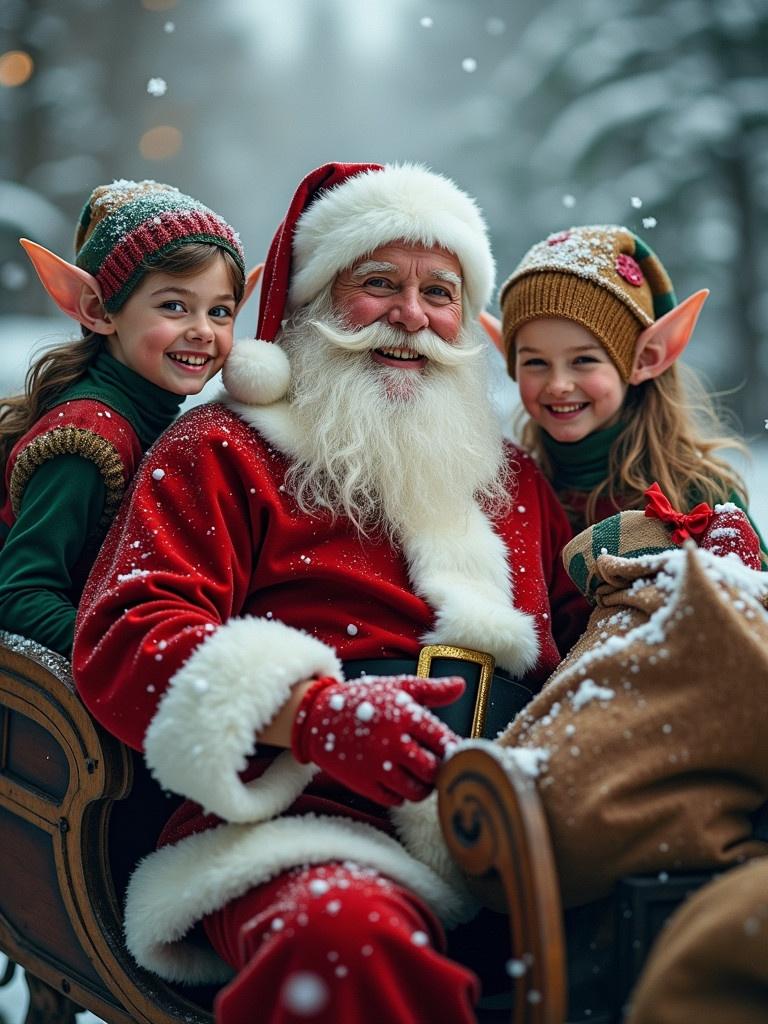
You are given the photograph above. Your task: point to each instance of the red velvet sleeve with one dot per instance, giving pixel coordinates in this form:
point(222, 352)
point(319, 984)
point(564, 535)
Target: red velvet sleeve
point(174, 566)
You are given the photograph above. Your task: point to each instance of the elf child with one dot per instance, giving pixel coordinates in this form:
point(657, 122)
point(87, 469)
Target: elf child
point(591, 330)
point(156, 285)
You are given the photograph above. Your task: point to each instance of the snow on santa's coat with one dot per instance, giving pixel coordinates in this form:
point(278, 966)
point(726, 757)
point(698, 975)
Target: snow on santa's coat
point(214, 594)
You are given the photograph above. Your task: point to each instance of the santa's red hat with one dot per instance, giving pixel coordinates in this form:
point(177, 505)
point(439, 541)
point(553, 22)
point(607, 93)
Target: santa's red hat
point(339, 214)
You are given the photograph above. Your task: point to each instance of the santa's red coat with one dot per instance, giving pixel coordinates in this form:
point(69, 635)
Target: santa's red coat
point(214, 594)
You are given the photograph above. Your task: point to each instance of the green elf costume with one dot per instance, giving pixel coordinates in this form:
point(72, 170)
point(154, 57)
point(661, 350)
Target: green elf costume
point(66, 475)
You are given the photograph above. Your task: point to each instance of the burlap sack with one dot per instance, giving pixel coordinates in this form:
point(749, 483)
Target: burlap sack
point(652, 732)
point(710, 962)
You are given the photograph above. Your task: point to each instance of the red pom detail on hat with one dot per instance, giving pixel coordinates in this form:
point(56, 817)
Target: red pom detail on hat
point(563, 236)
point(628, 268)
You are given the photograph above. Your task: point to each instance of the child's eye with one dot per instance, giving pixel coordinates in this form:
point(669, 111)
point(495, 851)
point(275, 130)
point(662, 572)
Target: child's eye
point(174, 306)
point(533, 361)
point(221, 312)
point(585, 359)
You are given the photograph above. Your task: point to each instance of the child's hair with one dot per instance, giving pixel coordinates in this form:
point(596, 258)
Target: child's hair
point(670, 431)
point(57, 368)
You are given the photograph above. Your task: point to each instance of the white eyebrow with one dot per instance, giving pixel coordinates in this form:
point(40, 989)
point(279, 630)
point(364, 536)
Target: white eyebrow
point(374, 267)
point(447, 275)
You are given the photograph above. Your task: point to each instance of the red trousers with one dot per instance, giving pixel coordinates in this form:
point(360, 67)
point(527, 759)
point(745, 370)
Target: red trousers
point(337, 944)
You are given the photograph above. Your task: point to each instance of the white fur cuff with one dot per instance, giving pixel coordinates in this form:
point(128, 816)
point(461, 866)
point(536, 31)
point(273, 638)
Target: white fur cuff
point(228, 691)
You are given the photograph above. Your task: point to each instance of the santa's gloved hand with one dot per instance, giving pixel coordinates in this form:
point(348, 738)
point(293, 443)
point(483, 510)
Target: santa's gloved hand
point(376, 735)
point(730, 532)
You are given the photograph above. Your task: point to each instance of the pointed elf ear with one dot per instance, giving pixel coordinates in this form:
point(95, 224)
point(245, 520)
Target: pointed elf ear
point(75, 291)
point(492, 327)
point(664, 341)
point(252, 279)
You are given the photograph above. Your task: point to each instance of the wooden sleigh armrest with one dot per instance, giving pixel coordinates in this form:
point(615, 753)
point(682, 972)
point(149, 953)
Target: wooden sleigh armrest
point(61, 778)
point(494, 827)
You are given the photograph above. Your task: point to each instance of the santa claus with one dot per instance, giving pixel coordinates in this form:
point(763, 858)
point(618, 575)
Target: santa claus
point(294, 563)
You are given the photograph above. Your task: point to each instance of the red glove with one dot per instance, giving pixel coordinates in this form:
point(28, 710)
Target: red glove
point(731, 532)
point(375, 735)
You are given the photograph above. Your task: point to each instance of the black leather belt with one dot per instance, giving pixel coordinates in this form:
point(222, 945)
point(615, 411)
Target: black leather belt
point(490, 701)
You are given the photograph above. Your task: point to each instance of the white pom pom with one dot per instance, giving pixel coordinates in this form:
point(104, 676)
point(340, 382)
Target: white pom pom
point(256, 372)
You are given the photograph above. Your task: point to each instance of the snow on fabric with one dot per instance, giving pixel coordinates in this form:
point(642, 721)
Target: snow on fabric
point(655, 723)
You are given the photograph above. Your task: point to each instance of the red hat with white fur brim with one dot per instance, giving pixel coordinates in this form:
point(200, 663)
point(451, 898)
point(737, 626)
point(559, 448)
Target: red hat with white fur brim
point(341, 213)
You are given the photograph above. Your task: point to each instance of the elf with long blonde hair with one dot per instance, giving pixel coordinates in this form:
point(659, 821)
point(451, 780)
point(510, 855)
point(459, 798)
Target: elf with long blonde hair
point(156, 284)
point(592, 332)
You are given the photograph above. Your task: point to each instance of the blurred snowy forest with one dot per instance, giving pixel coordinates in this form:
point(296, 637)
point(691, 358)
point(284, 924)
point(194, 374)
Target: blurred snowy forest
point(651, 113)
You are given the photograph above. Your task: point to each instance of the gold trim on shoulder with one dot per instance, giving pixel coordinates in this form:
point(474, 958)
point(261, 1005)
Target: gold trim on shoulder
point(70, 441)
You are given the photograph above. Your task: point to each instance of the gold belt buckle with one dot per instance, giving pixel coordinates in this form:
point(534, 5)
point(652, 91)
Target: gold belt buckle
point(487, 664)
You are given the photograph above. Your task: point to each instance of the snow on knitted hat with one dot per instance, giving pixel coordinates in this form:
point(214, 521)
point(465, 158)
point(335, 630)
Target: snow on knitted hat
point(602, 276)
point(126, 226)
point(341, 213)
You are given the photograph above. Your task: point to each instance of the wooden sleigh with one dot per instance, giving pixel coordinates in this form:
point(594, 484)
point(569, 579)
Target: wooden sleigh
point(78, 809)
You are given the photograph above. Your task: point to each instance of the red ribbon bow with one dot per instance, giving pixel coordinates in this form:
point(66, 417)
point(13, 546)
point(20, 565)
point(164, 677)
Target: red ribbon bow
point(686, 524)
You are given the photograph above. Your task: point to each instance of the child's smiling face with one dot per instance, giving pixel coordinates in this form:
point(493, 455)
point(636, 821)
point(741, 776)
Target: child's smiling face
point(568, 383)
point(176, 331)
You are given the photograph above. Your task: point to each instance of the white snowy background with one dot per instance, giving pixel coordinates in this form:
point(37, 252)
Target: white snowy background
point(651, 113)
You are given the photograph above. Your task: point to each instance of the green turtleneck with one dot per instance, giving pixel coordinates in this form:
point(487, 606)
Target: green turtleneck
point(59, 521)
point(581, 465)
point(148, 408)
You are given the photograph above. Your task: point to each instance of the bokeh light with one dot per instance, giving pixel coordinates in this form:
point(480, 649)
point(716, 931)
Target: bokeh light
point(161, 142)
point(16, 68)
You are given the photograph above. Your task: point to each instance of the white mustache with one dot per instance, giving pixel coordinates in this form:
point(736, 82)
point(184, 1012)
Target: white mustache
point(378, 335)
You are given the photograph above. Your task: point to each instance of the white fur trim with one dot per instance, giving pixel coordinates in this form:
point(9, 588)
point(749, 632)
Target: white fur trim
point(418, 828)
point(402, 202)
point(460, 566)
point(228, 690)
point(176, 886)
point(256, 372)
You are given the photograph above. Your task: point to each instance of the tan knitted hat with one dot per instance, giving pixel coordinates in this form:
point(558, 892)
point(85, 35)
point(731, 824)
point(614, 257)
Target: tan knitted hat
point(601, 276)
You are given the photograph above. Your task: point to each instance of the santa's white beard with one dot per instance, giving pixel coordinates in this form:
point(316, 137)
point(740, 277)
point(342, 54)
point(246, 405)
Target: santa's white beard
point(391, 449)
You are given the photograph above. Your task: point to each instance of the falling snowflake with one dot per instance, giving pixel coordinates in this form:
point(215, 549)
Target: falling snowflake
point(13, 276)
point(158, 474)
point(304, 994)
point(157, 87)
point(169, 27)
point(495, 27)
point(649, 222)
point(569, 201)
point(426, 22)
point(469, 64)
point(636, 202)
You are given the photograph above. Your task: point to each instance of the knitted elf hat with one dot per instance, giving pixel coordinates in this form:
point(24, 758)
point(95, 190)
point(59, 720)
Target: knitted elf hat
point(339, 214)
point(602, 276)
point(126, 226)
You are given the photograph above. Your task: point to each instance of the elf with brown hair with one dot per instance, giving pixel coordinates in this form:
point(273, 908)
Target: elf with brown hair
point(592, 332)
point(156, 284)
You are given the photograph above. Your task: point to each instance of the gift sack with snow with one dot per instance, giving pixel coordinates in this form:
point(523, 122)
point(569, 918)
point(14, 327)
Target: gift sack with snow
point(651, 734)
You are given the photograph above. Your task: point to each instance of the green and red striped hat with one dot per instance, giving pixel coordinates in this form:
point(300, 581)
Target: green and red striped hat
point(128, 225)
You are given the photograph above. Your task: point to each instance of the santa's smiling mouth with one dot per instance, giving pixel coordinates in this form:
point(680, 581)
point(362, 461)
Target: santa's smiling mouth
point(403, 358)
